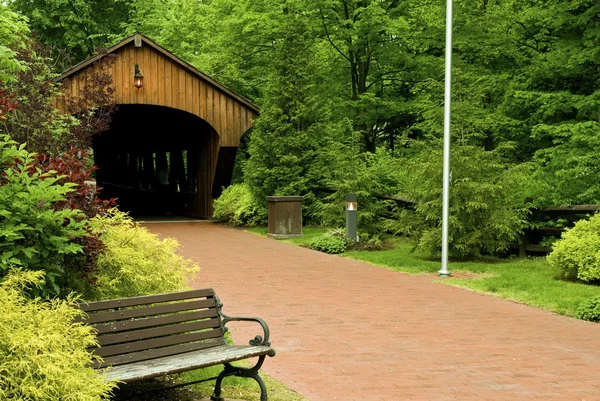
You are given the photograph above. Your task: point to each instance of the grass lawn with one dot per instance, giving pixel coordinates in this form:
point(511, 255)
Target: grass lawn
point(525, 280)
point(308, 233)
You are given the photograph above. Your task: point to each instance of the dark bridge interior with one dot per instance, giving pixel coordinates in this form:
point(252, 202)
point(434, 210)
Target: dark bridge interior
point(157, 161)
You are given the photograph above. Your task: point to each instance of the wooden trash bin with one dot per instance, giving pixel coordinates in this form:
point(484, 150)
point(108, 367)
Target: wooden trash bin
point(285, 216)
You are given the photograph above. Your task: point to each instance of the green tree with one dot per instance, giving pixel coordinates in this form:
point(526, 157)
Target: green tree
point(487, 210)
point(369, 37)
point(294, 125)
point(13, 33)
point(556, 97)
point(74, 26)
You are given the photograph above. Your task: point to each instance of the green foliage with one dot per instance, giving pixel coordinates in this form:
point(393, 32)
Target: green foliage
point(76, 27)
point(285, 145)
point(487, 210)
point(567, 172)
point(576, 256)
point(331, 242)
point(371, 243)
point(13, 33)
point(33, 235)
point(590, 310)
point(134, 261)
point(237, 206)
point(366, 175)
point(43, 354)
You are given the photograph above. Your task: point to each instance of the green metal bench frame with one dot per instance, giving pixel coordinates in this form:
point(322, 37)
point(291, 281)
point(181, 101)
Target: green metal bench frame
point(144, 337)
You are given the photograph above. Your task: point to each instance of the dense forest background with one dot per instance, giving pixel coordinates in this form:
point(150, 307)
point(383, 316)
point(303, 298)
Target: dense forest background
point(351, 98)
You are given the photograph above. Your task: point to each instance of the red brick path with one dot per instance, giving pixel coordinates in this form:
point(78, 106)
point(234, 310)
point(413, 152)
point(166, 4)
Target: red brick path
point(345, 330)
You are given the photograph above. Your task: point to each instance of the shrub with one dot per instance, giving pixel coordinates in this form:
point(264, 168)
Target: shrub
point(43, 353)
point(331, 242)
point(590, 310)
point(134, 261)
point(366, 175)
point(75, 167)
point(487, 211)
point(33, 234)
point(577, 254)
point(237, 206)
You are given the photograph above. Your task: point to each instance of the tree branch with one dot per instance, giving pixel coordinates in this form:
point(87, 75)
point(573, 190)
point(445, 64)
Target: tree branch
point(329, 37)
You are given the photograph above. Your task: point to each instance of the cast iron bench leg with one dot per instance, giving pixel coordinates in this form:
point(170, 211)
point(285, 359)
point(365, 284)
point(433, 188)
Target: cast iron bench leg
point(252, 373)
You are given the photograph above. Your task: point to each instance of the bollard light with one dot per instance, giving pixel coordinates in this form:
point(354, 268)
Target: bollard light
point(351, 214)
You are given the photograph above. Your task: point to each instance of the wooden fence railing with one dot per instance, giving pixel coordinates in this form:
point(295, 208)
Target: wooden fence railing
point(530, 241)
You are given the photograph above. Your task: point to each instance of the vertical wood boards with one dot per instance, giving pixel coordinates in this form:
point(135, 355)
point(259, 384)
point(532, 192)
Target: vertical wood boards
point(170, 84)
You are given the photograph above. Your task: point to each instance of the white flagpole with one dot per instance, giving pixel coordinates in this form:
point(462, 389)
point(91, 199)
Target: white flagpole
point(444, 272)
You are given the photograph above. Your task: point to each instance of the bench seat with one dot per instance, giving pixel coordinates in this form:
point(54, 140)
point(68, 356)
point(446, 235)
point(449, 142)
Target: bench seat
point(183, 362)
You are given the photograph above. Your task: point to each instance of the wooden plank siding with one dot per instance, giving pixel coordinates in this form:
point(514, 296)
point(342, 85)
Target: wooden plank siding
point(169, 84)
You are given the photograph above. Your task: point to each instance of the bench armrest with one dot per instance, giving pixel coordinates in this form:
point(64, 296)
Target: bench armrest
point(258, 340)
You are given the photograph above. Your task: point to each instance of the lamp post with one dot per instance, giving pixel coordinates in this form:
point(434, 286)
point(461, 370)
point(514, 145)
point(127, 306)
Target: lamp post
point(444, 272)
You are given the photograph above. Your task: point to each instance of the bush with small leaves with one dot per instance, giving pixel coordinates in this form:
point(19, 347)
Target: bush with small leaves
point(134, 261)
point(237, 206)
point(43, 354)
point(576, 256)
point(590, 310)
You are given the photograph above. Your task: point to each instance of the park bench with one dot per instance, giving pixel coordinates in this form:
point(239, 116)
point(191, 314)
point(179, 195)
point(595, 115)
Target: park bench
point(144, 337)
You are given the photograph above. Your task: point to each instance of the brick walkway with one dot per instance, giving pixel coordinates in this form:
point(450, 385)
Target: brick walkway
point(345, 330)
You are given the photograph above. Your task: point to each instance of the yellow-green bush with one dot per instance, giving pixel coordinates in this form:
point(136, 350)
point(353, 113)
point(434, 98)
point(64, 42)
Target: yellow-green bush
point(134, 261)
point(576, 256)
point(237, 206)
point(43, 353)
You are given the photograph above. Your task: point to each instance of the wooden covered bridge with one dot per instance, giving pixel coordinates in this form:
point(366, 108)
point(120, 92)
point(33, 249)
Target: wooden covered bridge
point(173, 138)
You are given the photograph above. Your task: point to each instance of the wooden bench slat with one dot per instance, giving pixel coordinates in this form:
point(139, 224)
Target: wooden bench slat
point(145, 300)
point(124, 325)
point(160, 352)
point(156, 343)
point(149, 311)
point(189, 361)
point(154, 332)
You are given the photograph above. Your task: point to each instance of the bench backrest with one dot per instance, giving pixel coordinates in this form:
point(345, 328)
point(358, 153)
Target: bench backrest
point(148, 327)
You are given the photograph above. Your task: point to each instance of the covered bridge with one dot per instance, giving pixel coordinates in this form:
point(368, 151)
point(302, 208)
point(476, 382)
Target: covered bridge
point(173, 138)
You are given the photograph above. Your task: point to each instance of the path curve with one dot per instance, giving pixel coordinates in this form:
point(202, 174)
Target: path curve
point(345, 330)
